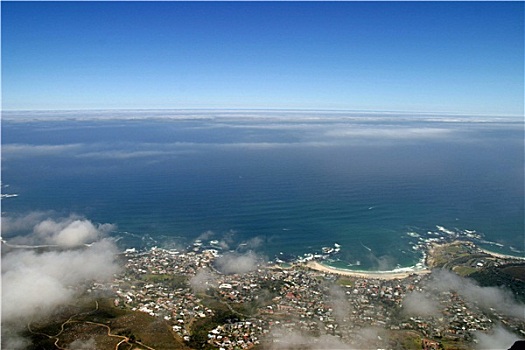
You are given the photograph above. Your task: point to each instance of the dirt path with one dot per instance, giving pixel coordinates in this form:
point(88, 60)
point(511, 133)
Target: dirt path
point(123, 339)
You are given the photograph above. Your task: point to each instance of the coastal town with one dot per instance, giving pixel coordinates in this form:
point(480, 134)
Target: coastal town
point(308, 305)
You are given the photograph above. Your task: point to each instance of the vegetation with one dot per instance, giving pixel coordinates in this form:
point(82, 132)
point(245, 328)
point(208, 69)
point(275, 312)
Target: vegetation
point(345, 281)
point(201, 327)
point(510, 276)
point(464, 270)
point(272, 285)
point(405, 340)
point(462, 259)
point(449, 255)
point(106, 326)
point(455, 345)
point(171, 280)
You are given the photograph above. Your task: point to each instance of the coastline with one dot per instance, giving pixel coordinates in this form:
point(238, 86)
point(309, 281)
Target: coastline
point(385, 275)
point(500, 255)
point(391, 275)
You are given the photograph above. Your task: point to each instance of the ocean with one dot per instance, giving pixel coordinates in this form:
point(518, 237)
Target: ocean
point(280, 183)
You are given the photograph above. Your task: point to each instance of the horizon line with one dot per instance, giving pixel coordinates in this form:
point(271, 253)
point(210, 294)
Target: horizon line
point(369, 111)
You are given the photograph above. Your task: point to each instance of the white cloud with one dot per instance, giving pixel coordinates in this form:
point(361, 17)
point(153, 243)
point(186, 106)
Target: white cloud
point(288, 340)
point(122, 154)
point(26, 150)
point(70, 232)
point(227, 240)
point(206, 235)
point(36, 283)
point(282, 338)
point(418, 304)
point(202, 280)
point(497, 339)
point(238, 263)
point(245, 115)
point(339, 303)
point(12, 340)
point(80, 344)
point(486, 297)
point(21, 224)
point(389, 132)
point(252, 243)
point(251, 131)
point(32, 229)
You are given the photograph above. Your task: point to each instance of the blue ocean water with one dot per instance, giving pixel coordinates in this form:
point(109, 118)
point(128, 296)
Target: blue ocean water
point(282, 183)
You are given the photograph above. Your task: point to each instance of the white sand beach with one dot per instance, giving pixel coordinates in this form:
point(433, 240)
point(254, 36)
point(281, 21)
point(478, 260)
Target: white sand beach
point(386, 275)
point(502, 256)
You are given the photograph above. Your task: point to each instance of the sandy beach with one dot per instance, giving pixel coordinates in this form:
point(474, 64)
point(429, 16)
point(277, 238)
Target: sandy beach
point(387, 275)
point(502, 256)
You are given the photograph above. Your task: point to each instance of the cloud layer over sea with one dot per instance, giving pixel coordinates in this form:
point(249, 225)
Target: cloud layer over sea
point(295, 180)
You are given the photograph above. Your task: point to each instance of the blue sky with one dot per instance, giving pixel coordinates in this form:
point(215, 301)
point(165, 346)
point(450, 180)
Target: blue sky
point(465, 57)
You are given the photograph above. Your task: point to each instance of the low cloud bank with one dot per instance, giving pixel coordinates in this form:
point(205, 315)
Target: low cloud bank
point(231, 263)
point(69, 232)
point(13, 226)
point(339, 303)
point(254, 243)
point(35, 284)
point(498, 339)
point(499, 299)
point(382, 263)
point(418, 304)
point(202, 280)
point(83, 344)
point(287, 340)
point(282, 338)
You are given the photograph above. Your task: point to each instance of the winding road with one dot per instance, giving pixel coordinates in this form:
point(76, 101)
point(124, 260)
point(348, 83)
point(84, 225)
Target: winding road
point(124, 339)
